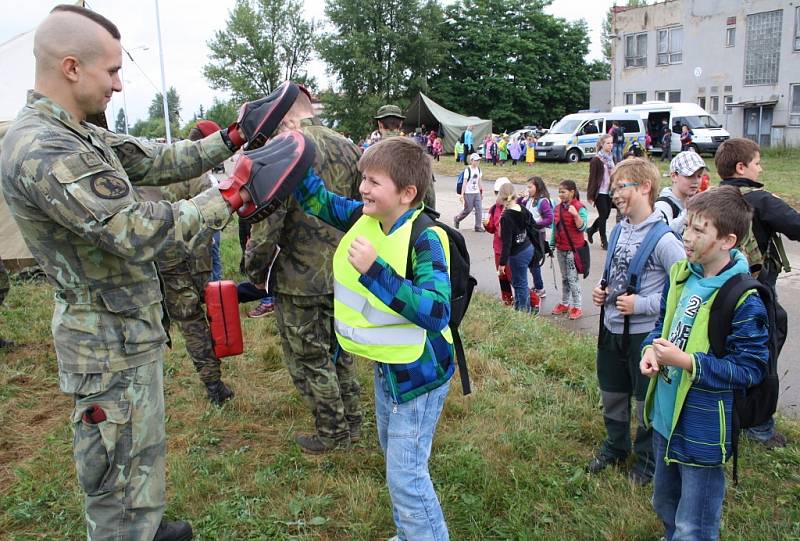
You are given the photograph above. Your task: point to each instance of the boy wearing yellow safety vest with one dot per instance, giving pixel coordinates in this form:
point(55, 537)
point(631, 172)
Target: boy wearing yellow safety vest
point(396, 317)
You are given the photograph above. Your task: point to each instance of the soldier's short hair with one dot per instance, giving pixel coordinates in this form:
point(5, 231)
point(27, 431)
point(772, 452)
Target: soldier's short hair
point(403, 160)
point(391, 122)
point(110, 27)
point(638, 170)
point(734, 151)
point(726, 208)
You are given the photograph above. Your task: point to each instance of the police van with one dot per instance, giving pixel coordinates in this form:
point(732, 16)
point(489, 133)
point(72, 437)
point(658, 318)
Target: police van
point(575, 136)
point(707, 133)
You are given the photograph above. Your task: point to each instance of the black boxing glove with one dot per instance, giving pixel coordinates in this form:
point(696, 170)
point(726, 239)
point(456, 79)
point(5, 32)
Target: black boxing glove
point(269, 175)
point(259, 119)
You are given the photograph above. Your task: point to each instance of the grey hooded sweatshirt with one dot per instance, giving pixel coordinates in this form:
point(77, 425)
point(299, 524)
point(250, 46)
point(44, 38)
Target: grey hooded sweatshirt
point(656, 272)
point(676, 223)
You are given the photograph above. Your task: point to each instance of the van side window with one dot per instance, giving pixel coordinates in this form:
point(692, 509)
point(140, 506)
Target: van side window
point(677, 122)
point(590, 127)
point(630, 126)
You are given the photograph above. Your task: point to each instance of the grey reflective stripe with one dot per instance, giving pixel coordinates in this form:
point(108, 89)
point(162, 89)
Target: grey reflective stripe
point(359, 303)
point(382, 336)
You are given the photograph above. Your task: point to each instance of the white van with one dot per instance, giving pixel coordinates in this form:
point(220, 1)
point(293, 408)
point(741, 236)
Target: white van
point(707, 133)
point(575, 136)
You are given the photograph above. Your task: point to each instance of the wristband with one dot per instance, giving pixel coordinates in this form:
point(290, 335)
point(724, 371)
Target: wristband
point(231, 137)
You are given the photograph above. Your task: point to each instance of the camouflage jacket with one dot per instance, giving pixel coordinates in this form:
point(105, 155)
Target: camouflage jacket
point(198, 255)
point(68, 185)
point(304, 265)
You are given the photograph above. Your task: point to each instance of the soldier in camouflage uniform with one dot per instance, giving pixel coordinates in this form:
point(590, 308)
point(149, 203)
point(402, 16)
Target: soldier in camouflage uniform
point(390, 120)
point(322, 372)
point(68, 185)
point(185, 275)
point(4, 287)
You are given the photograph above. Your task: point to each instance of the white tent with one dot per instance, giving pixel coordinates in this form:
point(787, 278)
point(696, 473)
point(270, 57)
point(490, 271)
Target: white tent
point(425, 111)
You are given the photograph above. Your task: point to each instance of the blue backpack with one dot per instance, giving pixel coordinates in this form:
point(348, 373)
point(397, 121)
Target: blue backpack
point(635, 269)
point(460, 182)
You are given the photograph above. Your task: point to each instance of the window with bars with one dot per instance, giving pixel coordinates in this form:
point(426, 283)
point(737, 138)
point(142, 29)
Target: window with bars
point(714, 104)
point(797, 29)
point(636, 50)
point(727, 100)
point(671, 96)
point(670, 45)
point(730, 36)
point(762, 48)
point(635, 98)
point(794, 111)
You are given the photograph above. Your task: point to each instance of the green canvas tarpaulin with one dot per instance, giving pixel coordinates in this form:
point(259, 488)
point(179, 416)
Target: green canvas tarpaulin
point(425, 111)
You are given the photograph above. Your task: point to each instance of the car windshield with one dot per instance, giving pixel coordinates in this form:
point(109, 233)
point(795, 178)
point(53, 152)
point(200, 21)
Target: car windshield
point(565, 126)
point(702, 121)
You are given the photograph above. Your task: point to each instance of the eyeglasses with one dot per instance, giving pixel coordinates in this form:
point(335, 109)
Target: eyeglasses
point(621, 186)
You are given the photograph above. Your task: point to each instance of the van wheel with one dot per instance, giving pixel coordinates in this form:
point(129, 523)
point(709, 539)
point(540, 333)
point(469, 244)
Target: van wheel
point(574, 155)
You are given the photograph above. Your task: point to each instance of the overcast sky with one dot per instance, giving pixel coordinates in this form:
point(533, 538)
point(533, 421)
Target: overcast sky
point(186, 26)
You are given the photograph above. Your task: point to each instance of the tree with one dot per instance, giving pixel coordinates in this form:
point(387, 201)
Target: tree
point(223, 113)
point(264, 43)
point(381, 51)
point(607, 31)
point(512, 62)
point(120, 124)
point(156, 109)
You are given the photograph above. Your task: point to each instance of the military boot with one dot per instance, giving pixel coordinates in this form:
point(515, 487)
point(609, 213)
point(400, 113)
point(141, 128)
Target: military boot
point(218, 392)
point(174, 531)
point(314, 445)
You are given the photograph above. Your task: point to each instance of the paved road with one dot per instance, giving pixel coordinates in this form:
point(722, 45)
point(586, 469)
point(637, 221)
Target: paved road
point(482, 264)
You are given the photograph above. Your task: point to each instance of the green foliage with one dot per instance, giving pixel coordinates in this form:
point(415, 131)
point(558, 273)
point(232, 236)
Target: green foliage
point(512, 63)
point(156, 109)
point(153, 128)
point(119, 124)
point(380, 51)
point(223, 113)
point(264, 43)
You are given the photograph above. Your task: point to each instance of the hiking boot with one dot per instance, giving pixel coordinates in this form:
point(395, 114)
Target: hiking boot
point(777, 440)
point(218, 392)
point(355, 433)
point(174, 531)
point(575, 313)
point(313, 444)
point(560, 309)
point(601, 462)
point(639, 478)
point(263, 309)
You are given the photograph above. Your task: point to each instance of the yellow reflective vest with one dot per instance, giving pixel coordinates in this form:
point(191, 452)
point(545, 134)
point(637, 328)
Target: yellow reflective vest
point(364, 325)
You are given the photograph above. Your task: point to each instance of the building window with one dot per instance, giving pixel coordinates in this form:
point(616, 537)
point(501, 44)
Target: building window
point(635, 98)
point(671, 96)
point(670, 46)
point(794, 111)
point(701, 101)
point(714, 104)
point(762, 48)
point(636, 50)
point(728, 109)
point(730, 36)
point(797, 29)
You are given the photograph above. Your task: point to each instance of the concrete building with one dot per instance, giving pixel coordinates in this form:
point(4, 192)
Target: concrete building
point(738, 59)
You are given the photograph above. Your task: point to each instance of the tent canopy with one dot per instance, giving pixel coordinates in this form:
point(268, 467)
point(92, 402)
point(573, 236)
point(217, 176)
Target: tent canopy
point(425, 111)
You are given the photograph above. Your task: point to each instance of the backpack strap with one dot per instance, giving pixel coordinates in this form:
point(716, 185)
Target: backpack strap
point(613, 239)
point(675, 209)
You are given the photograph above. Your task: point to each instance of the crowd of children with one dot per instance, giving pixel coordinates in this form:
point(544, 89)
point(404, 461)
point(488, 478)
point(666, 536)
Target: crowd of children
point(667, 257)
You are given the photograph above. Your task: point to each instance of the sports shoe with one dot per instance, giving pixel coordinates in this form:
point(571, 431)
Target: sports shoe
point(541, 292)
point(777, 440)
point(263, 309)
point(313, 445)
point(508, 298)
point(535, 302)
point(6, 344)
point(639, 478)
point(601, 462)
point(560, 309)
point(174, 531)
point(455, 223)
point(218, 393)
point(575, 313)
point(480, 230)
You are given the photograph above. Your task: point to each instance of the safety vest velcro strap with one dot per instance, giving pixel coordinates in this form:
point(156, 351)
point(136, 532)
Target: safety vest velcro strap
point(384, 336)
point(360, 304)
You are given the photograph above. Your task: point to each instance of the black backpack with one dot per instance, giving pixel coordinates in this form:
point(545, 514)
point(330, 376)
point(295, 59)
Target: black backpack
point(619, 135)
point(675, 209)
point(461, 283)
point(758, 403)
point(541, 248)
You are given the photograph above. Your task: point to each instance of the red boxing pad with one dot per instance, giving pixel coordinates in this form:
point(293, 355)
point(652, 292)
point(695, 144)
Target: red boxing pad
point(222, 306)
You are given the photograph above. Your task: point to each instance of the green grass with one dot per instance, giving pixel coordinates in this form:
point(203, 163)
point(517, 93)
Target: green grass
point(781, 171)
point(507, 460)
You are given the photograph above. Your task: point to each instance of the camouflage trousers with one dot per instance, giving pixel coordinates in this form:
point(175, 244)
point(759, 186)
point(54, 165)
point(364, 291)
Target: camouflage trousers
point(330, 388)
point(4, 282)
point(119, 448)
point(184, 299)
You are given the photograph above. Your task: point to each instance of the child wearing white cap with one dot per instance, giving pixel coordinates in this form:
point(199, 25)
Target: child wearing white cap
point(472, 193)
point(686, 169)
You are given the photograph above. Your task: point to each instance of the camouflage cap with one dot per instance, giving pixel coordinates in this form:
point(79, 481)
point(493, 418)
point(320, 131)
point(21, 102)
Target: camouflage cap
point(389, 110)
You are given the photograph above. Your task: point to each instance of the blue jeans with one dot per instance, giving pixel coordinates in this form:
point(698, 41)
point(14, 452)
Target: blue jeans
point(405, 432)
point(687, 499)
point(519, 278)
point(216, 263)
point(763, 432)
point(536, 273)
point(617, 152)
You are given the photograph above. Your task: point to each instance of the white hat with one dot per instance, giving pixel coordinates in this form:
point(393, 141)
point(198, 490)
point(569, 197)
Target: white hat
point(474, 156)
point(499, 182)
point(687, 163)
